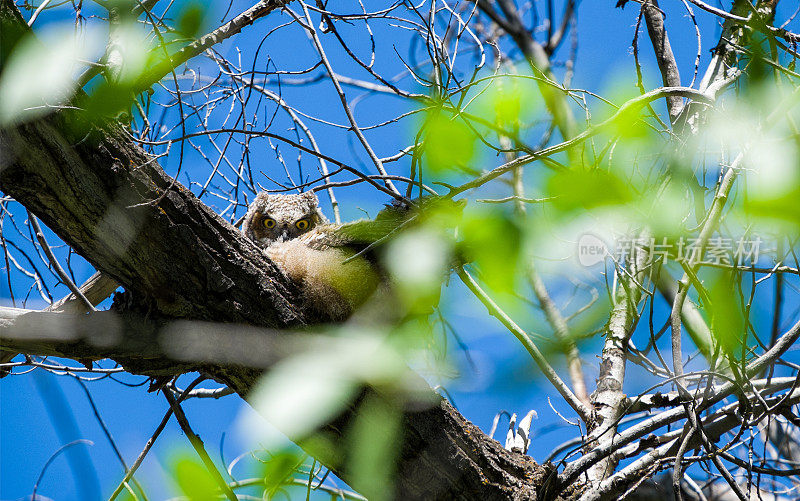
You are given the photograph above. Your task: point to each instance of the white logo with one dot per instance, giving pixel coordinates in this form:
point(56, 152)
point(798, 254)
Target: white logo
point(591, 250)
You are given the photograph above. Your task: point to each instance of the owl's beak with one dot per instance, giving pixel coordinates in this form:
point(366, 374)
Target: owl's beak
point(284, 235)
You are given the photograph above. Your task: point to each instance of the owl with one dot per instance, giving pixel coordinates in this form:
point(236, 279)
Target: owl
point(277, 218)
point(319, 257)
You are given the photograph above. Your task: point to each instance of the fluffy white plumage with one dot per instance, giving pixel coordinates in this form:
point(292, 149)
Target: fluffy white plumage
point(315, 256)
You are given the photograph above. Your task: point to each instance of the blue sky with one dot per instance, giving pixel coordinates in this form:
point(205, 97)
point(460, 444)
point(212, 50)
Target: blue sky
point(505, 377)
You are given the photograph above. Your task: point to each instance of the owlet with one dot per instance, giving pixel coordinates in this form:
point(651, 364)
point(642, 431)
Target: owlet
point(314, 254)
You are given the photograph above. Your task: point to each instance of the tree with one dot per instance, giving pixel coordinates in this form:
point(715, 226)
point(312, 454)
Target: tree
point(692, 193)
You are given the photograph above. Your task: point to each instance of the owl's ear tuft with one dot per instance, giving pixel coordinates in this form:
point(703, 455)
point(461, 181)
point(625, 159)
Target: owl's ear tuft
point(262, 197)
point(310, 196)
point(256, 207)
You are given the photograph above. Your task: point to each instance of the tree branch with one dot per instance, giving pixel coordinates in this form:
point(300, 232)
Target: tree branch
point(664, 56)
point(177, 259)
point(580, 407)
point(168, 64)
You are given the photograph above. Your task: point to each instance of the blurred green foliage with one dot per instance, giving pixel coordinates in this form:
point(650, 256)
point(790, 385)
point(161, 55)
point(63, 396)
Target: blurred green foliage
point(40, 74)
point(374, 439)
point(491, 238)
point(509, 101)
point(725, 311)
point(192, 19)
point(587, 189)
point(193, 479)
point(449, 143)
point(279, 467)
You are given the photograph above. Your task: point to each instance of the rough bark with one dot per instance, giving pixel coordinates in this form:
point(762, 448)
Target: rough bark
point(112, 203)
point(664, 56)
point(444, 456)
point(183, 261)
point(119, 210)
point(609, 399)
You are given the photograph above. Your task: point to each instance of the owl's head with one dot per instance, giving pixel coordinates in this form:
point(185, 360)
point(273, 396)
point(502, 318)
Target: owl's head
point(277, 218)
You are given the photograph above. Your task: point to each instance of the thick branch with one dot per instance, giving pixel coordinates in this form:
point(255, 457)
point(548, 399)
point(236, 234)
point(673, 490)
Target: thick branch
point(111, 202)
point(443, 455)
point(664, 56)
point(115, 206)
point(181, 260)
point(713, 426)
point(608, 399)
point(639, 430)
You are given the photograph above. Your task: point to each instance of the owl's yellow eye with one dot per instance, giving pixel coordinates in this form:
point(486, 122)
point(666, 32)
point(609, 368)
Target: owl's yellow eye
point(302, 224)
point(269, 222)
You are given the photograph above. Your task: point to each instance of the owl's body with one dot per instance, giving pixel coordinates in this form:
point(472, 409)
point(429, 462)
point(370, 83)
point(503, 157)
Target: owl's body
point(313, 253)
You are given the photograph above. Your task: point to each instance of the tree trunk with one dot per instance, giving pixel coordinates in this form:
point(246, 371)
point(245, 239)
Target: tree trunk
point(112, 203)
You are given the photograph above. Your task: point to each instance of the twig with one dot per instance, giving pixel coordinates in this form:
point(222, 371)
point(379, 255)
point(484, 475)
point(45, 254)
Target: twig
point(55, 264)
point(197, 443)
point(583, 411)
point(151, 441)
point(354, 126)
point(624, 110)
point(52, 458)
point(559, 325)
point(107, 433)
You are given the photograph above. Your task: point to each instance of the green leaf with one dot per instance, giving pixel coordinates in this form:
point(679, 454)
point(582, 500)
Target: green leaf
point(191, 19)
point(727, 317)
point(586, 189)
point(417, 260)
point(511, 99)
point(491, 239)
point(449, 143)
point(40, 73)
point(278, 468)
point(109, 99)
point(194, 480)
point(303, 391)
point(784, 207)
point(374, 445)
point(130, 56)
